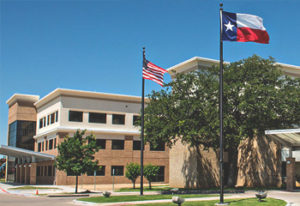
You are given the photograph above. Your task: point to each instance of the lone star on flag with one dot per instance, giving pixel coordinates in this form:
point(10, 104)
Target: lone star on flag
point(229, 26)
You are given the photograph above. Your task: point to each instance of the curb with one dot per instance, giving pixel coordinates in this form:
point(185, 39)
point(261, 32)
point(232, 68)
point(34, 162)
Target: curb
point(70, 195)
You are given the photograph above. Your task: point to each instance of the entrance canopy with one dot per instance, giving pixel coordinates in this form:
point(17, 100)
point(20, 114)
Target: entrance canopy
point(287, 137)
point(25, 154)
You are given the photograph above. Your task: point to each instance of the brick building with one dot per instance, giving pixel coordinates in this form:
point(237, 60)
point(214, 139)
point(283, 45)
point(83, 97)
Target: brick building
point(109, 117)
point(269, 161)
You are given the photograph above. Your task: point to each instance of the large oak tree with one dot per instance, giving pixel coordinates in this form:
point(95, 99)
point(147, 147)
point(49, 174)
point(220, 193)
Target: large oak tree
point(257, 97)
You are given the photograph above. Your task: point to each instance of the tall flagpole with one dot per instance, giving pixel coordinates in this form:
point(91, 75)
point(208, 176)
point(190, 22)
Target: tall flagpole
point(221, 108)
point(142, 128)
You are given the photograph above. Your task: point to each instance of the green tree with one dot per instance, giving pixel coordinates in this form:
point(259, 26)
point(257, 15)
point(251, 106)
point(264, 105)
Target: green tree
point(150, 172)
point(76, 155)
point(133, 170)
point(257, 97)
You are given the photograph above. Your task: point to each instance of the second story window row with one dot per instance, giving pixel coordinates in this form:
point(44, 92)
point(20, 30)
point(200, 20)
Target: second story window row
point(97, 117)
point(48, 120)
point(47, 145)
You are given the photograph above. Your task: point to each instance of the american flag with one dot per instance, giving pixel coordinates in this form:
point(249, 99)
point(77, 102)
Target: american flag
point(153, 72)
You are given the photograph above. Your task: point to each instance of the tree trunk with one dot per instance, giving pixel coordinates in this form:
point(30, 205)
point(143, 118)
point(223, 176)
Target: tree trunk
point(133, 184)
point(76, 184)
point(232, 167)
point(150, 185)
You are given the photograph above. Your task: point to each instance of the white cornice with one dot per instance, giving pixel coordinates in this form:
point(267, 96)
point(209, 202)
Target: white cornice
point(282, 131)
point(23, 98)
point(195, 62)
point(94, 130)
point(86, 94)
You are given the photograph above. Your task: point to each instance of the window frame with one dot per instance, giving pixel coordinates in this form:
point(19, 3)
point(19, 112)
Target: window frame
point(72, 111)
point(99, 172)
point(136, 142)
point(115, 121)
point(97, 113)
point(113, 167)
point(99, 140)
point(114, 141)
point(51, 144)
point(135, 118)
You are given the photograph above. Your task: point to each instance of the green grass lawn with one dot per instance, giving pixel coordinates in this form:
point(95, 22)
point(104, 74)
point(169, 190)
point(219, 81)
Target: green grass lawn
point(233, 202)
point(127, 198)
point(137, 189)
point(33, 188)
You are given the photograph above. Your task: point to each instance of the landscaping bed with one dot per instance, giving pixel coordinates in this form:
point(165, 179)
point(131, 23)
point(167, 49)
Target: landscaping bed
point(233, 202)
point(129, 198)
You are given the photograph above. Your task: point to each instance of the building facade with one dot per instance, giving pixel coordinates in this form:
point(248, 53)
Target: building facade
point(21, 127)
point(110, 118)
point(261, 161)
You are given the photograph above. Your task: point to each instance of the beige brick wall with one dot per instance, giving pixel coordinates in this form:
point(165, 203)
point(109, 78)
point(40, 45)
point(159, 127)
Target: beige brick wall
point(21, 111)
point(191, 170)
point(108, 158)
point(259, 164)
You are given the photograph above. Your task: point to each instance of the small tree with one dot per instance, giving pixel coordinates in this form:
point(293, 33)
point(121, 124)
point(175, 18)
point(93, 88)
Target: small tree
point(150, 172)
point(76, 155)
point(133, 170)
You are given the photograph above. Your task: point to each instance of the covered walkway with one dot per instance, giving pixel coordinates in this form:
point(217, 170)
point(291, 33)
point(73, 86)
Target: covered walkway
point(290, 139)
point(22, 164)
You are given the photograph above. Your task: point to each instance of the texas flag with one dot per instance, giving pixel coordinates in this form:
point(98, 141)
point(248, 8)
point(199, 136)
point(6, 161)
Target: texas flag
point(243, 28)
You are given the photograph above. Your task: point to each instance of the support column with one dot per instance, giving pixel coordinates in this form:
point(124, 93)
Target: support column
point(290, 173)
point(25, 173)
point(22, 173)
point(33, 173)
point(17, 173)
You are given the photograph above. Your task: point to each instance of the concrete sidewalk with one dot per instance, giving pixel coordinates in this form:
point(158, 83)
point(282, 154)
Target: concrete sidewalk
point(6, 188)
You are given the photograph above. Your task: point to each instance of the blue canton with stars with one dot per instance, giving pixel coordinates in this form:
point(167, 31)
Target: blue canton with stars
point(229, 26)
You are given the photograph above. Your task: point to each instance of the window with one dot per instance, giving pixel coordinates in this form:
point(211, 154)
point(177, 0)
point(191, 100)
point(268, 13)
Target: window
point(41, 123)
point(52, 118)
point(101, 143)
point(39, 146)
point(75, 116)
point(44, 121)
point(45, 171)
point(118, 119)
point(136, 145)
point(99, 172)
point(97, 117)
point(50, 144)
point(42, 171)
point(50, 170)
point(54, 143)
point(46, 147)
point(117, 170)
point(56, 116)
point(161, 175)
point(48, 119)
point(159, 147)
point(117, 144)
point(136, 120)
point(42, 146)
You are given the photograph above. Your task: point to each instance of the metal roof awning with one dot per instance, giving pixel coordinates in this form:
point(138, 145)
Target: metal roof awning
point(287, 137)
point(24, 153)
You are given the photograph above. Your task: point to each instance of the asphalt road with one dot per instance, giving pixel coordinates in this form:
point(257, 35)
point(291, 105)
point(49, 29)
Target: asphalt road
point(19, 200)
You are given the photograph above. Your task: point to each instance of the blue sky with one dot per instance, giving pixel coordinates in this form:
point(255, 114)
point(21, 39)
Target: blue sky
point(96, 45)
